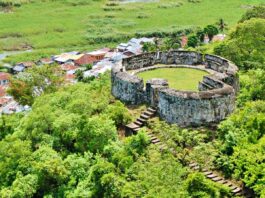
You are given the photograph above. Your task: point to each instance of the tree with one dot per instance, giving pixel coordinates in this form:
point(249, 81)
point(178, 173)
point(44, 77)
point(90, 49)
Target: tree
point(23, 186)
point(245, 45)
point(200, 35)
point(193, 41)
point(149, 47)
point(211, 31)
point(197, 186)
point(79, 75)
point(255, 12)
point(8, 123)
point(96, 134)
point(26, 86)
point(221, 25)
point(252, 86)
point(118, 113)
point(14, 154)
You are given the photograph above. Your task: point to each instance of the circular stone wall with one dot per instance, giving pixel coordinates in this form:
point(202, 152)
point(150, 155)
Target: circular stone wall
point(211, 104)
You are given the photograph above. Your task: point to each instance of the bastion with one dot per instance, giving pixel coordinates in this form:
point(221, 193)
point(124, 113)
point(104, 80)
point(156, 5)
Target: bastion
point(214, 100)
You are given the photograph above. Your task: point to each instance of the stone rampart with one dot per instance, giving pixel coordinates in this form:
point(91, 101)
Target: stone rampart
point(127, 88)
point(214, 100)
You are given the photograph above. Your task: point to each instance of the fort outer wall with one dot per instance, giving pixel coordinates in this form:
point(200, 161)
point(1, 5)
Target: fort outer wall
point(214, 101)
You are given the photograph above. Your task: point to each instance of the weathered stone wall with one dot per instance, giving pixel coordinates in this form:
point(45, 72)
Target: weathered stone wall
point(171, 57)
point(191, 109)
point(181, 57)
point(214, 101)
point(153, 86)
point(127, 88)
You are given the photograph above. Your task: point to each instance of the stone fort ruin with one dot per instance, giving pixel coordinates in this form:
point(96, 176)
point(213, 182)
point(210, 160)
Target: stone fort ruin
point(214, 100)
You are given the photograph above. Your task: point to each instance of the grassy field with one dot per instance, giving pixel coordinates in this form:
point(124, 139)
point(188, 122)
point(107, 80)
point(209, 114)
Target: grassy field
point(58, 25)
point(178, 78)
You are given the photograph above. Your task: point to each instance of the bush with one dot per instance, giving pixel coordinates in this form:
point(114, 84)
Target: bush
point(193, 41)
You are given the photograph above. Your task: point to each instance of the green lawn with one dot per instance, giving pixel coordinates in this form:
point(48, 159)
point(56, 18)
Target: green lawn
point(60, 25)
point(178, 78)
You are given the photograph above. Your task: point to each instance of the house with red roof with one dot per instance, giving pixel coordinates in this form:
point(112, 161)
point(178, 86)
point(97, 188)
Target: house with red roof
point(92, 57)
point(4, 78)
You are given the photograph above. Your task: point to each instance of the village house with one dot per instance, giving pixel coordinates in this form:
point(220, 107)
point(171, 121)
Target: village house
point(18, 69)
point(45, 61)
point(134, 46)
point(27, 64)
point(66, 57)
point(4, 78)
point(69, 67)
point(92, 57)
point(2, 91)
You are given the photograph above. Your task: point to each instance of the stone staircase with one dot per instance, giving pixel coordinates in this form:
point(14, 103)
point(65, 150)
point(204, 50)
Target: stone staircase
point(150, 112)
point(135, 126)
point(235, 189)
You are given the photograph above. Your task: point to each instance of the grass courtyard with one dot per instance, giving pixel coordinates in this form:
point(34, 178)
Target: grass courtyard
point(178, 78)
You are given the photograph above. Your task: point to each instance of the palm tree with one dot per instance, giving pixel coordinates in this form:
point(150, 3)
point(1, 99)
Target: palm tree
point(221, 25)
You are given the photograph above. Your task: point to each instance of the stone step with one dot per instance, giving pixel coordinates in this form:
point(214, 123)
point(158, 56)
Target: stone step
point(237, 190)
point(155, 141)
point(208, 173)
point(143, 116)
point(138, 123)
point(229, 184)
point(132, 126)
point(222, 181)
point(141, 120)
point(193, 165)
point(216, 179)
point(211, 176)
point(196, 168)
point(158, 143)
point(148, 113)
point(153, 138)
point(233, 187)
point(151, 109)
point(207, 85)
point(137, 129)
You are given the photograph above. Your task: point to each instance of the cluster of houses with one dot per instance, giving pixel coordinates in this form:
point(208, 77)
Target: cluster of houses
point(101, 61)
point(7, 104)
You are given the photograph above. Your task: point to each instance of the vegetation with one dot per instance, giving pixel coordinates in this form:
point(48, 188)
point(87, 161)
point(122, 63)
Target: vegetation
point(178, 78)
point(245, 45)
point(28, 85)
point(53, 26)
point(71, 144)
point(68, 146)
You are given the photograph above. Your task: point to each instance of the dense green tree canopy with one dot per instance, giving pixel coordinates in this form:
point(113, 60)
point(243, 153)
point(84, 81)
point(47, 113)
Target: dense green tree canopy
point(245, 45)
point(255, 12)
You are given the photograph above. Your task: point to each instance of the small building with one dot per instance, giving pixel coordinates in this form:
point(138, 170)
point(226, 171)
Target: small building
point(67, 57)
point(219, 37)
point(27, 64)
point(4, 101)
point(68, 67)
point(92, 57)
point(2, 91)
point(184, 41)
point(18, 69)
point(4, 78)
point(45, 61)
